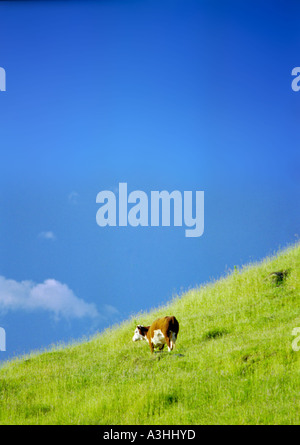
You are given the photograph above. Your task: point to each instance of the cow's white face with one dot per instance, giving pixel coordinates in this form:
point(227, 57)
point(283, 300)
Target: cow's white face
point(137, 335)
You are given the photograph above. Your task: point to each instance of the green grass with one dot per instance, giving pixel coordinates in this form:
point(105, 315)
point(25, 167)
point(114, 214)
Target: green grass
point(233, 364)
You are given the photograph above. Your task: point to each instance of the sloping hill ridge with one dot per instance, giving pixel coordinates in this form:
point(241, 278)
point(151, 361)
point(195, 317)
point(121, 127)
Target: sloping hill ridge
point(233, 364)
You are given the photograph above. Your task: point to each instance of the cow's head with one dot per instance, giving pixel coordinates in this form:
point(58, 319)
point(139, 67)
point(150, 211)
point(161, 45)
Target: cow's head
point(140, 333)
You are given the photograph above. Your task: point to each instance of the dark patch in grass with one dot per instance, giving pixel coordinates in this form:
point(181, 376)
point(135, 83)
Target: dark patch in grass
point(9, 386)
point(251, 360)
point(247, 357)
point(215, 333)
point(35, 410)
point(279, 276)
point(170, 399)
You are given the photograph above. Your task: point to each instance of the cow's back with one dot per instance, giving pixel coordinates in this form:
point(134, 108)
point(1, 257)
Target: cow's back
point(166, 325)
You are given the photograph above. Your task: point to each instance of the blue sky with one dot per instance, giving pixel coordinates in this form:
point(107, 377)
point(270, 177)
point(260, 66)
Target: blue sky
point(163, 95)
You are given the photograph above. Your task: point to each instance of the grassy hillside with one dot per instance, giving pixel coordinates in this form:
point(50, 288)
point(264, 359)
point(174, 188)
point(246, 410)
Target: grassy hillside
point(233, 364)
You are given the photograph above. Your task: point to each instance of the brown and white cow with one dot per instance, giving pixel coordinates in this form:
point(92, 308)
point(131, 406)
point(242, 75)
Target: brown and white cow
point(162, 331)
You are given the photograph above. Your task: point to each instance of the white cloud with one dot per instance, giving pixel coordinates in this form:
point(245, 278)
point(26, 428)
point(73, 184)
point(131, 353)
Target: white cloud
point(47, 235)
point(51, 295)
point(111, 310)
point(73, 197)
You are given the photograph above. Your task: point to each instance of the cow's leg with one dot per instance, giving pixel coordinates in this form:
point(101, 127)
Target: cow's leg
point(169, 343)
point(173, 339)
point(151, 347)
point(161, 347)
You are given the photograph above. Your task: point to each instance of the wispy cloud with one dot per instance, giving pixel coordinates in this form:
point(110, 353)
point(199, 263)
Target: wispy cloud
point(111, 310)
point(47, 235)
point(73, 197)
point(51, 295)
